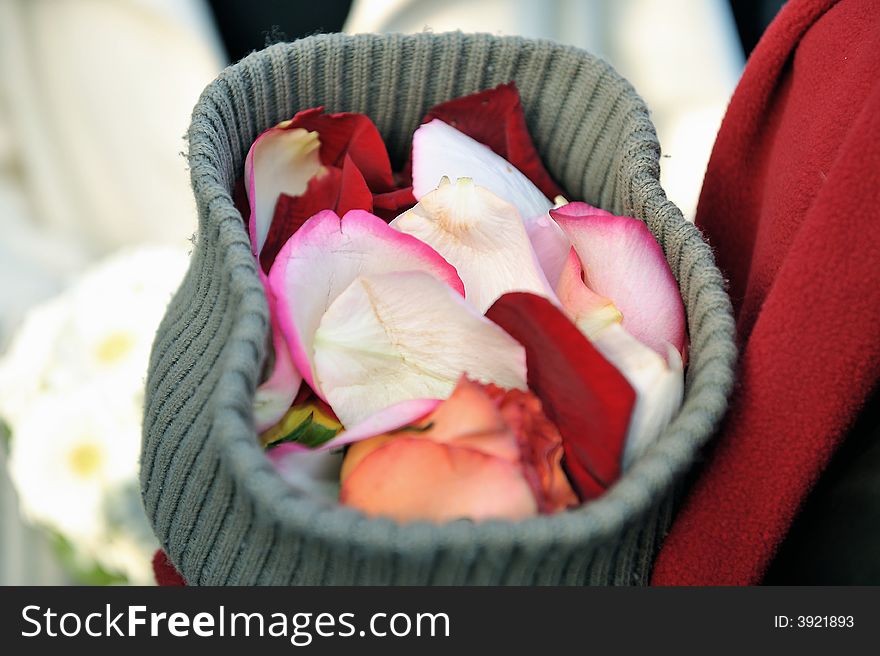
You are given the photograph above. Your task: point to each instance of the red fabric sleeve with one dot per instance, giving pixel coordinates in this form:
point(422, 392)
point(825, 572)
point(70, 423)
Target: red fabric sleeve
point(791, 205)
point(165, 573)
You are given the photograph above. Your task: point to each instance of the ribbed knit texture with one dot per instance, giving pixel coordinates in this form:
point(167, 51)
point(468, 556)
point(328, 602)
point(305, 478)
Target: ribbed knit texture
point(221, 512)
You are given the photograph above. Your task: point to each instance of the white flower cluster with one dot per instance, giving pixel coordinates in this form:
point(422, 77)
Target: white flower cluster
point(71, 392)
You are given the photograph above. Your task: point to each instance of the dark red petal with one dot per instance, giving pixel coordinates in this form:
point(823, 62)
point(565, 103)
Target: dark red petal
point(354, 194)
point(339, 190)
point(495, 118)
point(587, 398)
point(392, 203)
point(304, 395)
point(165, 573)
point(240, 200)
point(354, 135)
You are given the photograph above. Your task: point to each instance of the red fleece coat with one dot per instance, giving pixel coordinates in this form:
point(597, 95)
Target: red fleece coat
point(790, 204)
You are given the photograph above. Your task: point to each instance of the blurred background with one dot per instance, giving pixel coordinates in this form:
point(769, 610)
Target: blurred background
point(96, 214)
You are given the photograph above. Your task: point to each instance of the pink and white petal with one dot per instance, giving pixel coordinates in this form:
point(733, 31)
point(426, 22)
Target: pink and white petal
point(591, 312)
point(439, 150)
point(550, 244)
point(482, 236)
point(623, 262)
point(658, 382)
point(322, 259)
point(398, 336)
point(275, 395)
point(280, 161)
point(578, 209)
point(410, 479)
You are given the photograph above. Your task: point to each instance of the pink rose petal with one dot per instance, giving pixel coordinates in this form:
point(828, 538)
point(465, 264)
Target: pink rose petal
point(624, 263)
point(275, 395)
point(324, 257)
point(589, 311)
point(550, 242)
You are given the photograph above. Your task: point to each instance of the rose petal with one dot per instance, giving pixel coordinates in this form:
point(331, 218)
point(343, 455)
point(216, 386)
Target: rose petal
point(540, 450)
point(406, 335)
point(353, 135)
point(470, 417)
point(276, 394)
point(577, 209)
point(623, 262)
point(388, 205)
point(659, 386)
point(440, 150)
point(354, 194)
point(482, 236)
point(587, 398)
point(359, 450)
point(589, 311)
point(281, 160)
point(550, 242)
point(340, 190)
point(323, 258)
point(241, 202)
point(495, 118)
point(414, 479)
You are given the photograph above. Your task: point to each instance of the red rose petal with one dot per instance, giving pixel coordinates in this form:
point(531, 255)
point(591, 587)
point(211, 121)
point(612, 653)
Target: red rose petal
point(495, 118)
point(354, 194)
point(240, 200)
point(587, 398)
point(355, 135)
point(390, 204)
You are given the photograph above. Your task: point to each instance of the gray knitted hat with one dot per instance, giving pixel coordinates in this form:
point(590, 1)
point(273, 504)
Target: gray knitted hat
point(221, 512)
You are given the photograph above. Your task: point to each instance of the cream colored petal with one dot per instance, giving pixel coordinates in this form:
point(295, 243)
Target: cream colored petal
point(659, 386)
point(392, 337)
point(482, 236)
point(280, 161)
